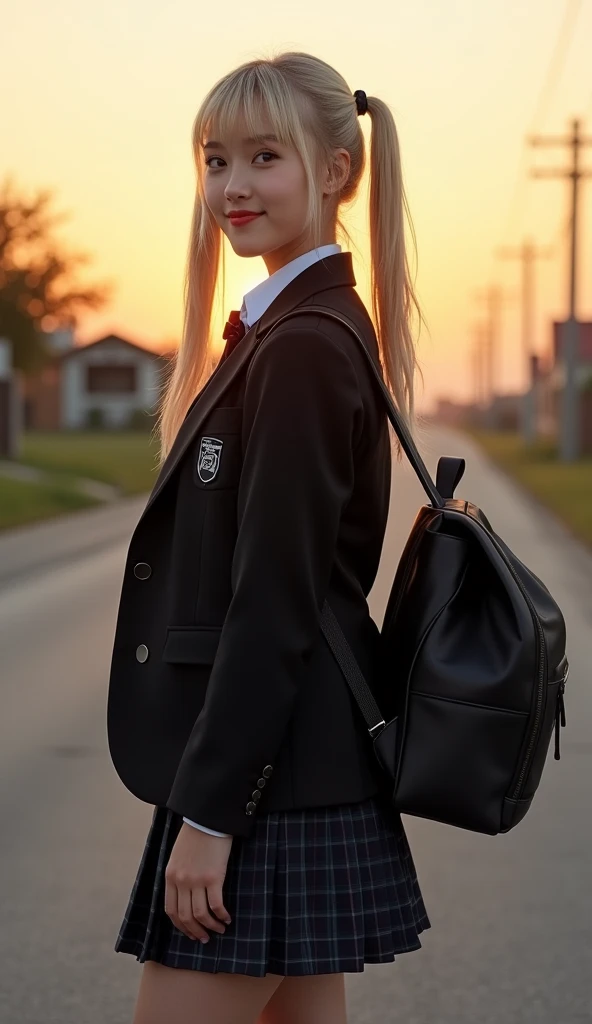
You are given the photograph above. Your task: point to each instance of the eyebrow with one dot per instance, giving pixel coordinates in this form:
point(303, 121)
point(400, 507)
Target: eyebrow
point(212, 144)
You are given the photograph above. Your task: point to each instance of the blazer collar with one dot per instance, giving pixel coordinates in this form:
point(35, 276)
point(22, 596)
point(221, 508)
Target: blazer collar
point(331, 272)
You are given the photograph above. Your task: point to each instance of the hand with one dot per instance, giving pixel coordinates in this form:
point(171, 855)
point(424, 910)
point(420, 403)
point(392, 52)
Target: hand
point(194, 876)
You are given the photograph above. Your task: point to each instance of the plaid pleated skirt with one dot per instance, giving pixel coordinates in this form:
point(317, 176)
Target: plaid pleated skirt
point(315, 891)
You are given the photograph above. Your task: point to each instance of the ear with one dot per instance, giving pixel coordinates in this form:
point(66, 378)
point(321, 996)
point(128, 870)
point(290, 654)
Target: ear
point(337, 172)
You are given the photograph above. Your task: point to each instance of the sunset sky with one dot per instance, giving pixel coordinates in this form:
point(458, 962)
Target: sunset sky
point(98, 104)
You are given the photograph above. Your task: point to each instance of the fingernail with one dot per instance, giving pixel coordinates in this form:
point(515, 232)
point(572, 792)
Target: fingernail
point(204, 940)
point(227, 920)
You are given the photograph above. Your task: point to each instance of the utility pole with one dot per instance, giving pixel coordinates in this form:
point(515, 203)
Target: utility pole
point(493, 296)
point(477, 368)
point(569, 446)
point(527, 254)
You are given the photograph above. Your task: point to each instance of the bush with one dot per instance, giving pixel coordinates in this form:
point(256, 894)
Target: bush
point(95, 419)
point(141, 419)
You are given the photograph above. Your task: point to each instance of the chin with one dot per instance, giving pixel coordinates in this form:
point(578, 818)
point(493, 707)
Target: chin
point(251, 248)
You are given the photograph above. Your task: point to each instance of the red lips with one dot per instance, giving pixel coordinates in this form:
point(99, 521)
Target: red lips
point(242, 216)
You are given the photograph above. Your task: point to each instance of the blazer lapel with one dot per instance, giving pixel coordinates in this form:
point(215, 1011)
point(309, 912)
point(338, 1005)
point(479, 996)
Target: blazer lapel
point(332, 272)
point(209, 398)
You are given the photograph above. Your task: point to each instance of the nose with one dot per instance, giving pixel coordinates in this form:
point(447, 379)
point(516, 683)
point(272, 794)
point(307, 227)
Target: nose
point(236, 188)
point(232, 194)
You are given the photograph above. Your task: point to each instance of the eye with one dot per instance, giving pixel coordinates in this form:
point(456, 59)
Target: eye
point(263, 153)
point(267, 153)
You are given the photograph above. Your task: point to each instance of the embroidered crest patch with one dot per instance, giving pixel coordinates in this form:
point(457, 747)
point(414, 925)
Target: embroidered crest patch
point(208, 459)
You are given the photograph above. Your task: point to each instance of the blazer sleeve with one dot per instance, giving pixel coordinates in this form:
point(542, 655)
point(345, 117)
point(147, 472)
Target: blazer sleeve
point(302, 418)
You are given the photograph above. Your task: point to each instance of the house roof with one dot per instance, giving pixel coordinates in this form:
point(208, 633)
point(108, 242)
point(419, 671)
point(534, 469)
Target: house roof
point(109, 339)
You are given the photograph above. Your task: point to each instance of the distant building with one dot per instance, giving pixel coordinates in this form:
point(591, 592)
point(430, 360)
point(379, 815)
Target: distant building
point(112, 375)
point(108, 382)
point(453, 413)
point(551, 378)
point(503, 414)
point(585, 347)
point(505, 411)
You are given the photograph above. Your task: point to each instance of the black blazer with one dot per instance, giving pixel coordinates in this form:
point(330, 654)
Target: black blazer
point(224, 699)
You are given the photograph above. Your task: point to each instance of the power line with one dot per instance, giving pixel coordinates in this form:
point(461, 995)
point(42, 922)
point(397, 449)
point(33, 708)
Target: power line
point(557, 61)
point(554, 69)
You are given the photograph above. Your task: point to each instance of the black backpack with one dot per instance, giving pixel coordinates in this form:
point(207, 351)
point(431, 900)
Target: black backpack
point(473, 651)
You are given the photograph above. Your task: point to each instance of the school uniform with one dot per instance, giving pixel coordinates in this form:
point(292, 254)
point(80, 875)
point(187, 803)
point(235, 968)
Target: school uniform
point(226, 706)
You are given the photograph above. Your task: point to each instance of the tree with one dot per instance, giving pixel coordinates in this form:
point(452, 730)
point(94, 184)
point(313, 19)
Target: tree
point(38, 290)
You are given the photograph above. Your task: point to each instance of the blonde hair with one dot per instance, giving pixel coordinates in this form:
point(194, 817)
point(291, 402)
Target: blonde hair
point(310, 107)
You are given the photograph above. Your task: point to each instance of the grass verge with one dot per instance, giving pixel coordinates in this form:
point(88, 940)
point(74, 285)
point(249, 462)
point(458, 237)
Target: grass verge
point(126, 459)
point(22, 502)
point(565, 488)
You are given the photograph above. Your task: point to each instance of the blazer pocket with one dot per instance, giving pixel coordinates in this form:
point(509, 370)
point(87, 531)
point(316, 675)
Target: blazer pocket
point(217, 456)
point(191, 645)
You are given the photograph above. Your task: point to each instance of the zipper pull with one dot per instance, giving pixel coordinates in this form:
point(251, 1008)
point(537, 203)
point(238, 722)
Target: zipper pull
point(560, 713)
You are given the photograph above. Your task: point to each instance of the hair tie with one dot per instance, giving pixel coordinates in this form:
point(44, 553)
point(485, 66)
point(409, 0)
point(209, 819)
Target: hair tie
point(361, 101)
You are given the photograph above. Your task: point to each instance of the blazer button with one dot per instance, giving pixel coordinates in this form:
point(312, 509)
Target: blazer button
point(142, 653)
point(256, 795)
point(142, 570)
point(261, 783)
point(267, 771)
point(250, 807)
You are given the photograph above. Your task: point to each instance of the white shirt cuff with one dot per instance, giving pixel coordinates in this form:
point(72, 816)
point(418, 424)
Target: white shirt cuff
point(203, 828)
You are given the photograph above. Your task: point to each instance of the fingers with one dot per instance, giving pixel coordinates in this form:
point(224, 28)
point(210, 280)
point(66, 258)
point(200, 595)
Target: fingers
point(187, 922)
point(194, 878)
point(177, 906)
point(201, 911)
point(189, 912)
point(214, 898)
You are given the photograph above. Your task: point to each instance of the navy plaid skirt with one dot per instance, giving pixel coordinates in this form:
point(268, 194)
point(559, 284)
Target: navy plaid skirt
point(315, 891)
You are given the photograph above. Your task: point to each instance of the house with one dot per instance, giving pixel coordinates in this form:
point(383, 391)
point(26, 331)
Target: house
point(110, 379)
point(110, 382)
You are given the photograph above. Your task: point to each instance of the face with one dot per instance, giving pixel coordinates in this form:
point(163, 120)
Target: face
point(264, 177)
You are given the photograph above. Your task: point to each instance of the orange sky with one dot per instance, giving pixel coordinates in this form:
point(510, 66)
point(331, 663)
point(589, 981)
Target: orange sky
point(102, 99)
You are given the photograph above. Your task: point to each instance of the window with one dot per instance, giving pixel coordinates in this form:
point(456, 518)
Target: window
point(111, 379)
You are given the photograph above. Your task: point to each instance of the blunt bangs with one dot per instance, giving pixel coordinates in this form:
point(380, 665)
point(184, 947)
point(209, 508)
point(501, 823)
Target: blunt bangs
point(259, 101)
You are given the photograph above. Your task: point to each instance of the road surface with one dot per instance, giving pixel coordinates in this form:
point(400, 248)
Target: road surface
point(511, 937)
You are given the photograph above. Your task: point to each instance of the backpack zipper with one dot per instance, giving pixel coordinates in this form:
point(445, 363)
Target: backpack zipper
point(560, 711)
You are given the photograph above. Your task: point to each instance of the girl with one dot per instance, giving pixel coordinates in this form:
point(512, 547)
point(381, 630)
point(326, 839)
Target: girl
point(274, 863)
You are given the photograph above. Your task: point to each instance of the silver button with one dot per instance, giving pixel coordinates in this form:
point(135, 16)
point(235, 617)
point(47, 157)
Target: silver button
point(250, 807)
point(142, 570)
point(267, 771)
point(261, 783)
point(256, 795)
point(142, 653)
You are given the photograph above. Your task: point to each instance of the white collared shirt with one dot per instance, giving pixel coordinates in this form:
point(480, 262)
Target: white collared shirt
point(255, 302)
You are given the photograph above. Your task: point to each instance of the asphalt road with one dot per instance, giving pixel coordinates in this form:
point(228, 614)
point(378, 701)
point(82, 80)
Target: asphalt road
point(511, 937)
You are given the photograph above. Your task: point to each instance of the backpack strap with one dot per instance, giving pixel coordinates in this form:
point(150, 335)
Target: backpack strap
point(449, 476)
point(399, 426)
